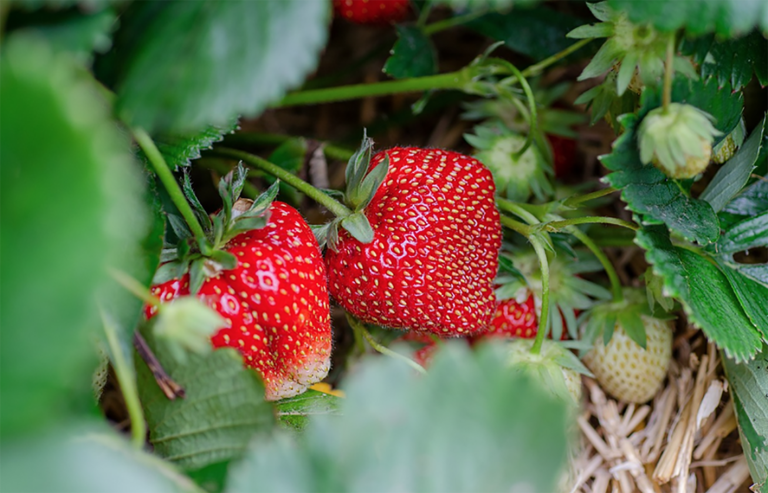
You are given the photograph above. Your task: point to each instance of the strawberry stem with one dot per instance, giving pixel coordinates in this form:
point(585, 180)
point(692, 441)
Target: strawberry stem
point(127, 380)
point(331, 151)
point(169, 182)
point(669, 71)
point(458, 20)
point(134, 286)
point(616, 290)
point(554, 226)
point(517, 209)
point(333, 205)
point(461, 80)
point(516, 226)
point(533, 117)
point(580, 199)
point(360, 329)
point(544, 317)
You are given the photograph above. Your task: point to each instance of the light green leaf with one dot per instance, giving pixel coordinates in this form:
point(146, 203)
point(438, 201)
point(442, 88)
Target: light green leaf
point(192, 64)
point(72, 206)
point(413, 54)
point(730, 179)
point(404, 432)
point(297, 412)
point(749, 386)
point(704, 292)
point(86, 458)
point(358, 226)
point(224, 407)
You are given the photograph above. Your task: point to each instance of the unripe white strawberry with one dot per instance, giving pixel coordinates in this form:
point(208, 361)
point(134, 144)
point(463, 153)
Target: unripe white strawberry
point(555, 367)
point(627, 371)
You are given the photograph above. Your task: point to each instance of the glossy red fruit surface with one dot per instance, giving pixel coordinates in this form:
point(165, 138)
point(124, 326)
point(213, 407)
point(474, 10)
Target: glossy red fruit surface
point(275, 302)
point(434, 255)
point(372, 11)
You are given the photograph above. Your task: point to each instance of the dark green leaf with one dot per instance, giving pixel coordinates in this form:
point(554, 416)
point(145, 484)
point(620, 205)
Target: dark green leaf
point(724, 17)
point(72, 205)
point(358, 226)
point(297, 412)
point(83, 457)
point(223, 408)
point(192, 64)
point(77, 33)
point(181, 150)
point(752, 296)
point(360, 197)
point(197, 207)
point(730, 179)
point(403, 432)
point(733, 61)
point(413, 54)
point(704, 292)
point(749, 233)
point(749, 386)
point(753, 200)
point(538, 32)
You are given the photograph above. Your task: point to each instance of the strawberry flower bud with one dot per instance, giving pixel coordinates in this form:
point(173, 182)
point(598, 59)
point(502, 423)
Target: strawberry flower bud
point(678, 141)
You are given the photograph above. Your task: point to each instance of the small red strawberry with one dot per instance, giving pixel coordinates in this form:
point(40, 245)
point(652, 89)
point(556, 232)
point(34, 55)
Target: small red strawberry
point(426, 352)
point(436, 236)
point(273, 297)
point(563, 154)
point(372, 11)
point(515, 319)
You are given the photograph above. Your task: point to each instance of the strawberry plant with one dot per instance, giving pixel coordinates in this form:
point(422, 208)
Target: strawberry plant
point(545, 267)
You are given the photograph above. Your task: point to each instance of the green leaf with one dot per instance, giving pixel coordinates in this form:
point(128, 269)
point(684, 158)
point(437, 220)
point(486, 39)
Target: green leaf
point(192, 64)
point(186, 324)
point(704, 291)
point(538, 32)
point(76, 32)
point(753, 200)
point(725, 17)
point(358, 226)
point(483, 5)
point(403, 432)
point(297, 412)
point(413, 54)
point(180, 150)
point(72, 206)
point(749, 233)
point(730, 179)
point(84, 457)
point(224, 407)
point(749, 386)
point(752, 296)
point(731, 61)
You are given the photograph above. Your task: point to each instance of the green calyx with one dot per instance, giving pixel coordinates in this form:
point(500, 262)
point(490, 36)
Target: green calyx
point(677, 140)
point(205, 258)
point(516, 176)
point(630, 49)
point(362, 185)
point(602, 318)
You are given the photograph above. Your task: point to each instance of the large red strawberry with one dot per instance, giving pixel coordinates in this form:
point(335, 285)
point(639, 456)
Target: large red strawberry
point(274, 300)
point(436, 236)
point(372, 11)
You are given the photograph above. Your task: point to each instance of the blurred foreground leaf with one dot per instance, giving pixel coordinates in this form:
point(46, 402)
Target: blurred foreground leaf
point(296, 412)
point(402, 432)
point(86, 459)
point(192, 64)
point(72, 205)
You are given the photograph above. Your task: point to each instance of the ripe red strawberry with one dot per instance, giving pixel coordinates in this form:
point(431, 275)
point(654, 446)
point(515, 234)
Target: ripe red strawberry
point(275, 302)
point(515, 319)
point(434, 254)
point(372, 11)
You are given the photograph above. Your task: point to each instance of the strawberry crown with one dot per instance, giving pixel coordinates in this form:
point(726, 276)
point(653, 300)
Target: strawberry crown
point(362, 185)
point(602, 318)
point(204, 258)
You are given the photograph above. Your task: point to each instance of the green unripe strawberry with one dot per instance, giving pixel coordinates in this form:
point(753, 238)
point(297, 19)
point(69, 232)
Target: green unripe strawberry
point(627, 371)
point(677, 140)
